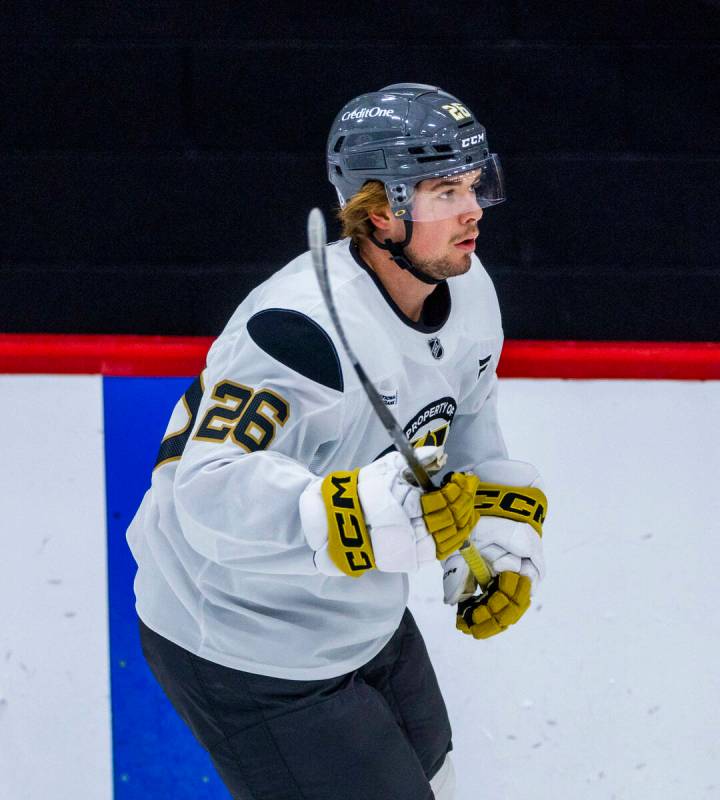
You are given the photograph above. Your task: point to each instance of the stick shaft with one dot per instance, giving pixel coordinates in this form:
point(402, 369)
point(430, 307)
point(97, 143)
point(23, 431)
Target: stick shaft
point(317, 237)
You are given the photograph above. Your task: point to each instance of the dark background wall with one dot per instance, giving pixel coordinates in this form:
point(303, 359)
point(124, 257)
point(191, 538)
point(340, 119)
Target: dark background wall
point(136, 196)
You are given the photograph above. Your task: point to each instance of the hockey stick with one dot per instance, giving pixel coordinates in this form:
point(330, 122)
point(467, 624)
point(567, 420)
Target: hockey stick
point(317, 238)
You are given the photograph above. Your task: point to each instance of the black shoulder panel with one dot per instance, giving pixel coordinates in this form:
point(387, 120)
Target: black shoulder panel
point(298, 342)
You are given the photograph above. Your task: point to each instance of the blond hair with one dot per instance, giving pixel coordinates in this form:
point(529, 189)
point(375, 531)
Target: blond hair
point(355, 217)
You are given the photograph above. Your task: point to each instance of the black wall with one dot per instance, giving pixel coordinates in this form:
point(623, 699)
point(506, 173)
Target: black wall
point(159, 159)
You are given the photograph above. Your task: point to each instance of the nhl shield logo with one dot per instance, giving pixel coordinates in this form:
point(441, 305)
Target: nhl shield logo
point(435, 347)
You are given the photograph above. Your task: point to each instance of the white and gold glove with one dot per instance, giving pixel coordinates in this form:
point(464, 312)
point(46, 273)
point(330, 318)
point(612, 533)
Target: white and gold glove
point(374, 518)
point(510, 509)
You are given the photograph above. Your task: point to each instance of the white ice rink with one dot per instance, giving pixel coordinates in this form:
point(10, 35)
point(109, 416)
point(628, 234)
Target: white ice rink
point(607, 690)
point(54, 670)
point(610, 690)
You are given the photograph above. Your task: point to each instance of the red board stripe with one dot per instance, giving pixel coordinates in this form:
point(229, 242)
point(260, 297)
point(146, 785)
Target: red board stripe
point(654, 360)
point(104, 355)
point(185, 355)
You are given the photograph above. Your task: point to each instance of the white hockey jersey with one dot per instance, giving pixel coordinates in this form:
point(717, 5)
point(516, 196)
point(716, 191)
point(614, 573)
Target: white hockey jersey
point(224, 569)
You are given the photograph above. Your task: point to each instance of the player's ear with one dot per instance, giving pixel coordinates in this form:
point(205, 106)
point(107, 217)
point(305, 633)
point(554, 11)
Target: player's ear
point(381, 218)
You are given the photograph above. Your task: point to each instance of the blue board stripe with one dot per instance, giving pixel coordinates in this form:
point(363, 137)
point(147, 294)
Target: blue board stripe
point(154, 754)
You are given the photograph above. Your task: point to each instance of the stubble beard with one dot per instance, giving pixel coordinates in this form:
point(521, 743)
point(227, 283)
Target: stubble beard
point(441, 268)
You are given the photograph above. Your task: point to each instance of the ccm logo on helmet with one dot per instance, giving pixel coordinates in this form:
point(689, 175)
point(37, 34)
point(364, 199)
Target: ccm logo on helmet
point(362, 113)
point(471, 140)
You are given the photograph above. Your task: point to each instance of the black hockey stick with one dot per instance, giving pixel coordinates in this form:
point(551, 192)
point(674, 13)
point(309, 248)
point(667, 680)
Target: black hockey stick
point(317, 238)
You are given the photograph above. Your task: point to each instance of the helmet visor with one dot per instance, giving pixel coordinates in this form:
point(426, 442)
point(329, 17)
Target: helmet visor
point(434, 197)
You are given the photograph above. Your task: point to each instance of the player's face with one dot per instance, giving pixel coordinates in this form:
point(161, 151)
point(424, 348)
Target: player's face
point(441, 247)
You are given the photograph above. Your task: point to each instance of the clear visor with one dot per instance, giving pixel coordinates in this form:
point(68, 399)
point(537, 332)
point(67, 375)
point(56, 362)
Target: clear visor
point(432, 198)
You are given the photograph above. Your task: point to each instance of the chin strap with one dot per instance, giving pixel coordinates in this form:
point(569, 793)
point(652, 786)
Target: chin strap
point(397, 254)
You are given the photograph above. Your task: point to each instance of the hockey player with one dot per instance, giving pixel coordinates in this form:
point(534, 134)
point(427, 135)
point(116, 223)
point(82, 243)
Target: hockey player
point(275, 542)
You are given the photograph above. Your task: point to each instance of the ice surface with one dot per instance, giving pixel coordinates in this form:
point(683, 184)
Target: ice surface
point(54, 711)
point(610, 686)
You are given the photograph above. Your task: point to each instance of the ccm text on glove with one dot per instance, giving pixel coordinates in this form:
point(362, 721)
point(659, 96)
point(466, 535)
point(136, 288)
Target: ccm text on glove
point(510, 508)
point(373, 518)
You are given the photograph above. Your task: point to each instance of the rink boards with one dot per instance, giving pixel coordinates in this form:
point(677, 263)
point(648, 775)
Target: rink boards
point(605, 688)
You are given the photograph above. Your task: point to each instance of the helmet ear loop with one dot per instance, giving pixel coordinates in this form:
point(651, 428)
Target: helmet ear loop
point(408, 233)
point(397, 249)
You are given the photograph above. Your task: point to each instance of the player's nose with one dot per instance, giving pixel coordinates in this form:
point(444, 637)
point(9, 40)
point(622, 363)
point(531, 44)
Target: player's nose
point(473, 213)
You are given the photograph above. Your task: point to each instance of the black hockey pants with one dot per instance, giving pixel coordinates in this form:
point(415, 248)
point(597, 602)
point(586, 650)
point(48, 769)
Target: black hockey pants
point(378, 733)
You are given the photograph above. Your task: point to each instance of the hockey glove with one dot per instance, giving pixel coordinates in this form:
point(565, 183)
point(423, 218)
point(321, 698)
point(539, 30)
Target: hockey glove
point(505, 600)
point(449, 512)
point(368, 518)
point(510, 511)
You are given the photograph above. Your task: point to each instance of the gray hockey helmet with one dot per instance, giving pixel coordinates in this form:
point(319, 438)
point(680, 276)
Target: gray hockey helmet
point(407, 133)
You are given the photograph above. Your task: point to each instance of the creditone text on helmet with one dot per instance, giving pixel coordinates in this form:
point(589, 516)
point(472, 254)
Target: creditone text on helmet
point(361, 113)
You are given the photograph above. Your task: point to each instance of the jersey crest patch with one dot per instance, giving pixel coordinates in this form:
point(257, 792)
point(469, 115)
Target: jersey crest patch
point(431, 424)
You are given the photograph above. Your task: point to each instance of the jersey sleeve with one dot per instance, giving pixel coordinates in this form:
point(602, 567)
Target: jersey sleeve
point(475, 435)
point(272, 401)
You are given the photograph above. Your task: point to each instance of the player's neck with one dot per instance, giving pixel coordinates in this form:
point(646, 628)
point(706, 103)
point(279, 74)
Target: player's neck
point(408, 293)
